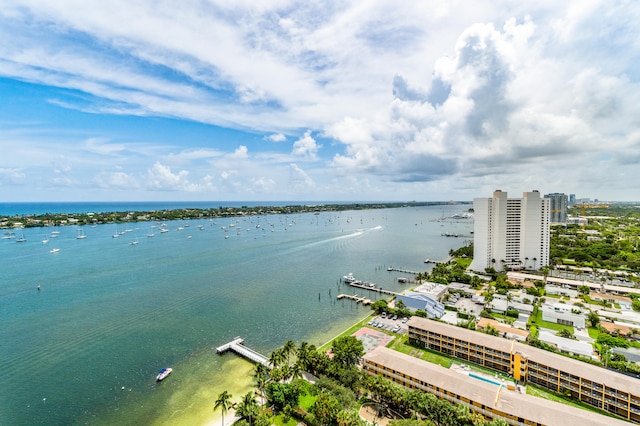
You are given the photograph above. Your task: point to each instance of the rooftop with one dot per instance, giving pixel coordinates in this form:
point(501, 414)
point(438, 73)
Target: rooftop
point(526, 406)
point(568, 365)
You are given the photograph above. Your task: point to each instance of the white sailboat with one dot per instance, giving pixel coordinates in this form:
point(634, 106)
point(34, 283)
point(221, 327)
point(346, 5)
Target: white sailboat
point(81, 235)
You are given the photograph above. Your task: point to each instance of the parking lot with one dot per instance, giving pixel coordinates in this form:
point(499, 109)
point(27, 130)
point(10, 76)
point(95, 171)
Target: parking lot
point(397, 325)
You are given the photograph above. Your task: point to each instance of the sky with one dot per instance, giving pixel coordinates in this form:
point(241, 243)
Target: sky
point(276, 100)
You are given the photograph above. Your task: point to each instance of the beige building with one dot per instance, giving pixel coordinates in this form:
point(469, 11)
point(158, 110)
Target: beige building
point(489, 399)
point(593, 385)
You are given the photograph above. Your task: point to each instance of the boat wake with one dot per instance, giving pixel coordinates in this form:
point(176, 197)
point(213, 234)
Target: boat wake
point(354, 234)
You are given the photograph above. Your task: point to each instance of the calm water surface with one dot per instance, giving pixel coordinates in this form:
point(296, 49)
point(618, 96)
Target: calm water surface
point(85, 348)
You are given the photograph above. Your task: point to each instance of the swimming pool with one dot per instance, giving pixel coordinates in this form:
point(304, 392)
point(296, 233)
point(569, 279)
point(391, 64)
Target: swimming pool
point(484, 379)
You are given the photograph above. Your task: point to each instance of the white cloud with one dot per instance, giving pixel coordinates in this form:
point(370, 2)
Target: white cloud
point(411, 95)
point(160, 177)
point(116, 180)
point(276, 137)
point(241, 153)
point(299, 179)
point(11, 176)
point(306, 147)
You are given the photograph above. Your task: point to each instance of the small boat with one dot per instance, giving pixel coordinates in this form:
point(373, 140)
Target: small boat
point(162, 374)
point(54, 250)
point(348, 278)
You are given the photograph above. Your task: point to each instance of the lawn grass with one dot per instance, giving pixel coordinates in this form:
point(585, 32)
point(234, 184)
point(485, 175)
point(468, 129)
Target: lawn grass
point(279, 421)
point(401, 345)
point(552, 396)
point(306, 401)
point(550, 325)
point(593, 332)
point(464, 261)
point(348, 332)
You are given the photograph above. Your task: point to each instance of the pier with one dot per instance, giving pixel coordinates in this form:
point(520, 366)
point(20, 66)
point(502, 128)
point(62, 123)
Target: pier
point(236, 345)
point(365, 286)
point(438, 262)
point(406, 271)
point(356, 298)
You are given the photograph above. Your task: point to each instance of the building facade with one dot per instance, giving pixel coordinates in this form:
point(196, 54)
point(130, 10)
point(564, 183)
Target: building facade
point(558, 207)
point(511, 233)
point(604, 389)
point(491, 400)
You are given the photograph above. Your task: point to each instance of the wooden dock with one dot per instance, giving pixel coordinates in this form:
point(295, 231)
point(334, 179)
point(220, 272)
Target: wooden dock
point(406, 271)
point(356, 298)
point(366, 286)
point(236, 345)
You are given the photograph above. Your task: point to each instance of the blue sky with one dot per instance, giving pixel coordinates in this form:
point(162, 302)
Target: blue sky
point(317, 100)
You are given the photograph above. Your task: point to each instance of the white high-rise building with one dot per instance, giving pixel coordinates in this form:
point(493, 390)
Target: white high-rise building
point(511, 232)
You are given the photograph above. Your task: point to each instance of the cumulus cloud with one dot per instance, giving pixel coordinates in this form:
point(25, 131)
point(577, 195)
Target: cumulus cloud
point(490, 111)
point(418, 93)
point(276, 137)
point(240, 153)
point(306, 147)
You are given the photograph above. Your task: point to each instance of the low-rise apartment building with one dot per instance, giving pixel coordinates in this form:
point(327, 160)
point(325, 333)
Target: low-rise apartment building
point(601, 388)
point(491, 400)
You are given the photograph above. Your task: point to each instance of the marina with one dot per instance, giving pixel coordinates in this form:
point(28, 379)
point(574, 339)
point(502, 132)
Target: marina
point(136, 308)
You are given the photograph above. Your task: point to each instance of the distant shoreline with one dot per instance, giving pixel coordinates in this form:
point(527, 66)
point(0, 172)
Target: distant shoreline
point(124, 216)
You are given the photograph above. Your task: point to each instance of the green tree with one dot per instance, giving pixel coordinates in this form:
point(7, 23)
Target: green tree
point(565, 333)
point(224, 403)
point(326, 407)
point(260, 378)
point(304, 355)
point(593, 319)
point(276, 358)
point(347, 350)
point(380, 306)
point(248, 408)
point(289, 349)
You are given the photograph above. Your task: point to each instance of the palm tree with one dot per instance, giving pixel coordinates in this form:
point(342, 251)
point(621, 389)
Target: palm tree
point(289, 349)
point(276, 358)
point(224, 403)
point(248, 408)
point(261, 376)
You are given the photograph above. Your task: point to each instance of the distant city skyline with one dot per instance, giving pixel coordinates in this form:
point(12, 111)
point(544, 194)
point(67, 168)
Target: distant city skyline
point(273, 100)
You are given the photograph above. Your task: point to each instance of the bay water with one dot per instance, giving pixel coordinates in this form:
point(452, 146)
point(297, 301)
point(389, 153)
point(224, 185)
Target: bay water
point(86, 328)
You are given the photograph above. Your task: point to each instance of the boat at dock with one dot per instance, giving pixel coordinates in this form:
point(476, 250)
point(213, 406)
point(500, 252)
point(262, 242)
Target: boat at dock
point(348, 278)
point(162, 374)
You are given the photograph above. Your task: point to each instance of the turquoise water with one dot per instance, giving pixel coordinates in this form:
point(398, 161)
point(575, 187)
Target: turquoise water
point(484, 379)
point(85, 348)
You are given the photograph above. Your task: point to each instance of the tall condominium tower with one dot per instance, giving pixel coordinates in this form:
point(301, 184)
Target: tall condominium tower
point(558, 207)
point(511, 232)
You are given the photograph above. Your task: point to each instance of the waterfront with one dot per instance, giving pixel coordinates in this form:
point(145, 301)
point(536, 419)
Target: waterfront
point(109, 314)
